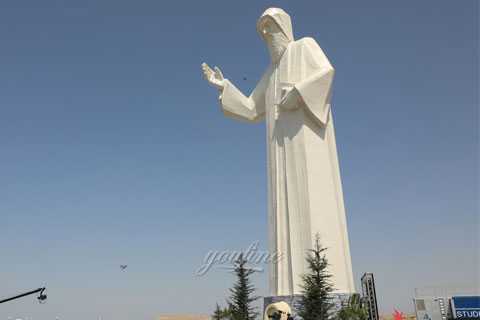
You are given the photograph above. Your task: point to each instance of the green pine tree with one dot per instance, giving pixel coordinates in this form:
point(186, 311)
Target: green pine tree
point(220, 314)
point(354, 310)
point(217, 314)
point(316, 300)
point(241, 298)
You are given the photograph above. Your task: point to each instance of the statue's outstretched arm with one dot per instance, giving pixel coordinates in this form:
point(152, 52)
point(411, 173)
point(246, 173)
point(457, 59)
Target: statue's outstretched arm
point(236, 105)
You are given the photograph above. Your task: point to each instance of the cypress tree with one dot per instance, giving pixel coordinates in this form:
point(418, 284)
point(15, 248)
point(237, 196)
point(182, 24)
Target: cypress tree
point(354, 310)
point(242, 293)
point(316, 301)
point(220, 314)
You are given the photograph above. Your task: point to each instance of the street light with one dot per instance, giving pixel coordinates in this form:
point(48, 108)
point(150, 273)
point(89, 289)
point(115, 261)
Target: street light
point(42, 297)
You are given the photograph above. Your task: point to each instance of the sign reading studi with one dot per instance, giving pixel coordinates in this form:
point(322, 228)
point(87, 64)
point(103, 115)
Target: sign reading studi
point(466, 307)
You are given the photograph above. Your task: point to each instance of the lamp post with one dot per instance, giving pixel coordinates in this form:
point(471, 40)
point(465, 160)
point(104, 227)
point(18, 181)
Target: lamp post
point(42, 297)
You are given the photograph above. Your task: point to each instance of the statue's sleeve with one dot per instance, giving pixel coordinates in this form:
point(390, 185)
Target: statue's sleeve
point(236, 105)
point(315, 88)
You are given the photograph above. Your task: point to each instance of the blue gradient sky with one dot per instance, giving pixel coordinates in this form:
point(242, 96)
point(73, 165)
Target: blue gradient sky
point(114, 150)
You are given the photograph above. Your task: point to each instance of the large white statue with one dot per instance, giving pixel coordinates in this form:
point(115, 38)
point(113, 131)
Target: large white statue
point(304, 187)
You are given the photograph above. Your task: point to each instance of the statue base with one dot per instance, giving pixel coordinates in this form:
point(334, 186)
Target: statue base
point(339, 300)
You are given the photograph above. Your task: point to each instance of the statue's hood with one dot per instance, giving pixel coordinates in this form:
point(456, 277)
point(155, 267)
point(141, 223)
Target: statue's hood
point(281, 18)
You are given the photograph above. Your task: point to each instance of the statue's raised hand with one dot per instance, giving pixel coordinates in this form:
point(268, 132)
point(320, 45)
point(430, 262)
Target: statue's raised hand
point(215, 78)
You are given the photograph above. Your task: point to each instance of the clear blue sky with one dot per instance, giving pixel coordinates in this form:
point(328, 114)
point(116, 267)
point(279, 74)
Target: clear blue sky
point(114, 150)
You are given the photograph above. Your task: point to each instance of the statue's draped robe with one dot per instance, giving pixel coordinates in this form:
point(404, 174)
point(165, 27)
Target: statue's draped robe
point(304, 188)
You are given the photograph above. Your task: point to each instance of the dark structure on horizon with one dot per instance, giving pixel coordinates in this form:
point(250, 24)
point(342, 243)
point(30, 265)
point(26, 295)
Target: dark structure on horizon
point(370, 295)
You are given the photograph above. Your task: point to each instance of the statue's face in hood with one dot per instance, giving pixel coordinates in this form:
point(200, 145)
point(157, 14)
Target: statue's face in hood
point(275, 28)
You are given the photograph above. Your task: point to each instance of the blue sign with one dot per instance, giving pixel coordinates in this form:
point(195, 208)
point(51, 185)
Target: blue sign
point(466, 307)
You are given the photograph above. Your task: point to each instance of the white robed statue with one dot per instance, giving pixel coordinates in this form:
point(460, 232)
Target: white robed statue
point(304, 187)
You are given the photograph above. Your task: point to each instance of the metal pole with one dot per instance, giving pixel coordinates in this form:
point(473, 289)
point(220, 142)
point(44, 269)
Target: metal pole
point(23, 295)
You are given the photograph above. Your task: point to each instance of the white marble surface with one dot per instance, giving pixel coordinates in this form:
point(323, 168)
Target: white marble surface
point(304, 186)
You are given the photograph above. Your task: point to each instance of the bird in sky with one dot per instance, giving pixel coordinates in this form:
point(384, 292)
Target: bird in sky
point(123, 267)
